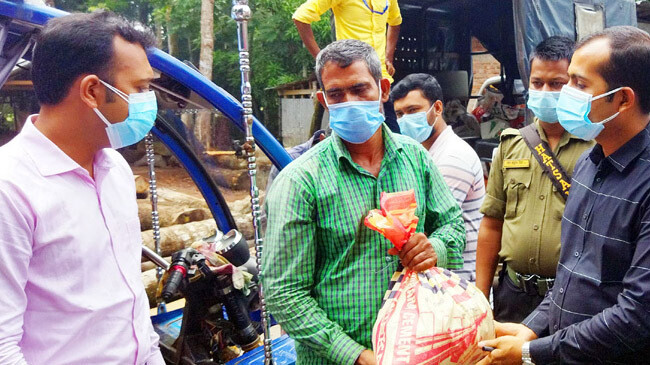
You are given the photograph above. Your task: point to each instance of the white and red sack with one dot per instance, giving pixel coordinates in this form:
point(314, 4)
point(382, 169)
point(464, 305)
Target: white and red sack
point(432, 317)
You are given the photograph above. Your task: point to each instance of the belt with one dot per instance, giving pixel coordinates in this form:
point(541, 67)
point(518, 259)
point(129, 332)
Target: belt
point(530, 284)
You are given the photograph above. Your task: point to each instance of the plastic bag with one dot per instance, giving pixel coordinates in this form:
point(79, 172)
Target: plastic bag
point(431, 317)
point(396, 220)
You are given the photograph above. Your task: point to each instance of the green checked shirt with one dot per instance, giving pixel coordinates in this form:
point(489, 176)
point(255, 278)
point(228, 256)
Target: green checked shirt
point(324, 273)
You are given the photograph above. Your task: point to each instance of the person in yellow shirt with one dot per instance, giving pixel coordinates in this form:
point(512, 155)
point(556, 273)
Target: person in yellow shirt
point(364, 20)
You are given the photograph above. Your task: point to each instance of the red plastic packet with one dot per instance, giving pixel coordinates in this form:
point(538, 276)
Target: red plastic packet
point(396, 220)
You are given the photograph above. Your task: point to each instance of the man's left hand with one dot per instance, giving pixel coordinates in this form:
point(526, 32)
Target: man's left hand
point(417, 254)
point(507, 351)
point(390, 68)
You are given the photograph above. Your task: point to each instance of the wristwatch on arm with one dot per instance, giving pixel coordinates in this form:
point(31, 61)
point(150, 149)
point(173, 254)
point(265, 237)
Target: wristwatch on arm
point(526, 359)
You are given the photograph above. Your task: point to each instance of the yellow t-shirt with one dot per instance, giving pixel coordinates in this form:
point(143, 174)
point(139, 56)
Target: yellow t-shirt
point(355, 20)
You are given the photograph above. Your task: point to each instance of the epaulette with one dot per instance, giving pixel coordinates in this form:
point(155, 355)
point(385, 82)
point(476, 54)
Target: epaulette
point(509, 132)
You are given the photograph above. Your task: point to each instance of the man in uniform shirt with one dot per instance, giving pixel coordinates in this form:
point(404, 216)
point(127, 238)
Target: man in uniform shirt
point(418, 104)
point(364, 20)
point(70, 242)
point(597, 312)
point(324, 273)
point(522, 208)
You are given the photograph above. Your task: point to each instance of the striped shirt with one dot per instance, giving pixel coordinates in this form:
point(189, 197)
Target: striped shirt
point(597, 311)
point(461, 169)
point(324, 273)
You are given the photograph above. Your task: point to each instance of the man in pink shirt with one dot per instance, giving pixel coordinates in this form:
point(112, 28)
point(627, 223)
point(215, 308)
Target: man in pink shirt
point(69, 230)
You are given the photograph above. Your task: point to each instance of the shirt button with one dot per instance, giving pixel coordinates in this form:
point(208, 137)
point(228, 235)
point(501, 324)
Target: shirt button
point(541, 197)
point(561, 290)
point(585, 216)
point(512, 181)
point(555, 327)
point(531, 260)
point(598, 179)
point(389, 259)
point(536, 227)
point(576, 254)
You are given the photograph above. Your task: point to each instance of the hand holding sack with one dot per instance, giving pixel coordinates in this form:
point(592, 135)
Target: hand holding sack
point(430, 317)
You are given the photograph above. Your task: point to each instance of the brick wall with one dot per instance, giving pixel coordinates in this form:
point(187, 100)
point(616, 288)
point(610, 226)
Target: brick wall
point(484, 66)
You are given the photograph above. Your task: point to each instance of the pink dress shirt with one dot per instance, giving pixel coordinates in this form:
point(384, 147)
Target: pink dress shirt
point(70, 247)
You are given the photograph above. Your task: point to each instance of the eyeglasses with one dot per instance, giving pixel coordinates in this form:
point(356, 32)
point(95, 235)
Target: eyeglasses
point(374, 11)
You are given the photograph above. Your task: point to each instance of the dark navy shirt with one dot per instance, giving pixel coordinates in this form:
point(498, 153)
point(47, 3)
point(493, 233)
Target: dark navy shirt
point(599, 308)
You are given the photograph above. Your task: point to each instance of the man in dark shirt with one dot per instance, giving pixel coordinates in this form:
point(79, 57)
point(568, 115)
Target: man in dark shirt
point(599, 309)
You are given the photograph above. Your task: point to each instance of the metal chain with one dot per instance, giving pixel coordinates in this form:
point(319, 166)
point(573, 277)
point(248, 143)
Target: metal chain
point(241, 12)
point(153, 194)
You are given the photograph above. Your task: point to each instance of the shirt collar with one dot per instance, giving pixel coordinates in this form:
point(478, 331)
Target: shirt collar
point(446, 133)
point(49, 159)
point(391, 146)
point(566, 136)
point(626, 154)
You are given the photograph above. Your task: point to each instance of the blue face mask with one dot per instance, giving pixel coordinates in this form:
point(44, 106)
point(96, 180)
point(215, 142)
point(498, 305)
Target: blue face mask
point(416, 125)
point(573, 109)
point(355, 121)
point(542, 104)
point(142, 115)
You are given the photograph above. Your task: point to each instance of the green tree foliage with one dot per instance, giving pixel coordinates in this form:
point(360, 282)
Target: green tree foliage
point(277, 53)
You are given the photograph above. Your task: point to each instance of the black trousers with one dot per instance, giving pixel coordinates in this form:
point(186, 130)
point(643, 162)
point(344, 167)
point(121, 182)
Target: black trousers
point(511, 303)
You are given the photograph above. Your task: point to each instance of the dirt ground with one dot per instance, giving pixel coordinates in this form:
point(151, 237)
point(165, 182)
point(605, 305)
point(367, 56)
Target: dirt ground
point(176, 178)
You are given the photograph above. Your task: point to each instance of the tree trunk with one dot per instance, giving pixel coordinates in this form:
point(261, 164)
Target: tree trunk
point(170, 215)
point(189, 121)
point(172, 37)
point(148, 265)
point(141, 187)
point(203, 125)
point(177, 237)
point(159, 34)
point(150, 286)
point(207, 37)
point(171, 197)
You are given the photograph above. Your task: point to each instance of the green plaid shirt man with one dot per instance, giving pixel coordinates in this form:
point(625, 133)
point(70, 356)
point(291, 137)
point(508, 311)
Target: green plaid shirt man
point(324, 271)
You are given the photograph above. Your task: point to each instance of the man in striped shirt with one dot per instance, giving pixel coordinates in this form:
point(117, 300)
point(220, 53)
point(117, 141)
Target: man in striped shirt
point(418, 102)
point(323, 272)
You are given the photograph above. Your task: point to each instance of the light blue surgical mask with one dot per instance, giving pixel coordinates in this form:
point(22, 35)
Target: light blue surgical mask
point(543, 103)
point(573, 109)
point(142, 115)
point(416, 125)
point(355, 121)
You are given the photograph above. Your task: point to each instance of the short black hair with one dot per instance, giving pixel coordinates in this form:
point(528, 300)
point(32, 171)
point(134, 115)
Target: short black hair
point(424, 82)
point(554, 48)
point(79, 44)
point(343, 53)
point(629, 61)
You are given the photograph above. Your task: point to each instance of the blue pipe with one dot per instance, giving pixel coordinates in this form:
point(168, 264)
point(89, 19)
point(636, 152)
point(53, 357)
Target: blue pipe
point(220, 99)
